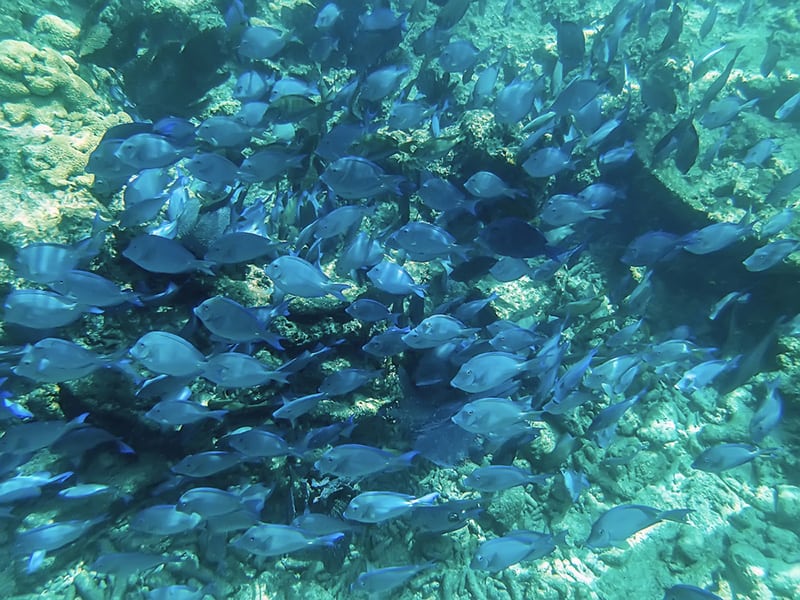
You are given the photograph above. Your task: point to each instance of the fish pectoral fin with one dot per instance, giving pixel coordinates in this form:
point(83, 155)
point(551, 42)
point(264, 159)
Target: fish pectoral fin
point(35, 561)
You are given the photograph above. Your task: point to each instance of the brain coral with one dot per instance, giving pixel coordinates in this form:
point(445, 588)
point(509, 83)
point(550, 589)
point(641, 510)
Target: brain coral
point(38, 74)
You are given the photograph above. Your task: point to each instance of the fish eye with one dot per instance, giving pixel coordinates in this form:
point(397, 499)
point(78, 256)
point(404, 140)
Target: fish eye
point(452, 517)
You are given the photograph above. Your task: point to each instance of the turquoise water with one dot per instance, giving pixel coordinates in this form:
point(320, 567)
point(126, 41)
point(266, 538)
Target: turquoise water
point(603, 194)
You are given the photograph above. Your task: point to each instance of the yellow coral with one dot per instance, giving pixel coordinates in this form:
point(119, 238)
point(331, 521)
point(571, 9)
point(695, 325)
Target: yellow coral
point(56, 160)
point(26, 70)
point(59, 33)
point(10, 89)
point(16, 57)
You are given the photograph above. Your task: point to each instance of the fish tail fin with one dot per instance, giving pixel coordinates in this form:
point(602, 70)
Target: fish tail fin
point(426, 500)
point(393, 184)
point(679, 515)
point(62, 477)
point(133, 298)
point(217, 414)
point(279, 377)
point(272, 339)
point(774, 452)
point(79, 420)
point(36, 561)
point(124, 448)
point(205, 266)
point(404, 460)
point(419, 290)
point(329, 540)
point(336, 289)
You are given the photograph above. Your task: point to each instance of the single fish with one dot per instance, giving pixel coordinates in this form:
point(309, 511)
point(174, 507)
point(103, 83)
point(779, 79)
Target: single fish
point(269, 539)
point(768, 415)
point(53, 360)
point(212, 168)
point(174, 413)
point(381, 581)
point(345, 381)
point(298, 277)
point(24, 487)
point(760, 153)
point(382, 83)
point(233, 370)
point(125, 564)
point(650, 248)
point(496, 478)
point(770, 255)
point(38, 541)
point(367, 310)
point(259, 43)
point(257, 443)
point(355, 462)
point(168, 354)
point(493, 417)
point(683, 591)
point(327, 16)
point(445, 517)
point(29, 437)
point(44, 262)
point(423, 242)
point(511, 236)
point(619, 523)
point(487, 185)
point(39, 309)
point(376, 507)
point(547, 162)
point(92, 289)
point(231, 321)
point(164, 520)
point(204, 464)
point(162, 255)
point(704, 374)
point(722, 457)
point(489, 370)
point(435, 330)
point(716, 236)
point(208, 502)
point(788, 108)
point(500, 553)
point(391, 278)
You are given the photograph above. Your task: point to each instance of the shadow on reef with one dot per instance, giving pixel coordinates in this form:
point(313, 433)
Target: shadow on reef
point(174, 78)
point(166, 67)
